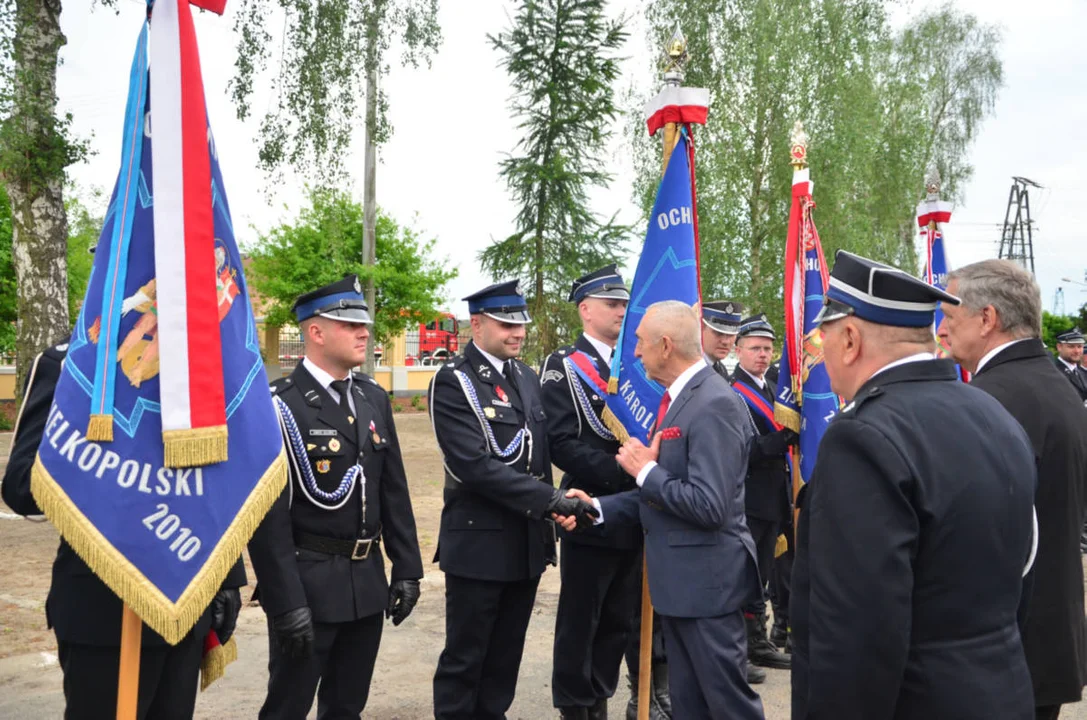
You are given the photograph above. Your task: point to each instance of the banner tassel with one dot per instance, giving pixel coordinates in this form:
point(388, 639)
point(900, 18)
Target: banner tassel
point(100, 428)
point(216, 658)
point(615, 424)
point(122, 577)
point(192, 447)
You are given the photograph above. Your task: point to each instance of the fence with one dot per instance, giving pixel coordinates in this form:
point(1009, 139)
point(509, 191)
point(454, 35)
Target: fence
point(292, 349)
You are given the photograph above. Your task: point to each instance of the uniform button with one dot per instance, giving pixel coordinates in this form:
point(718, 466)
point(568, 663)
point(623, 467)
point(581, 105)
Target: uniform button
point(471, 522)
point(528, 512)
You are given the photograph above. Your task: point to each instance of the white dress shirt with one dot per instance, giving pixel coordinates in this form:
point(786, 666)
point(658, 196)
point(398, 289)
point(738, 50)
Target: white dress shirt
point(325, 380)
point(499, 365)
point(604, 350)
point(919, 357)
point(992, 354)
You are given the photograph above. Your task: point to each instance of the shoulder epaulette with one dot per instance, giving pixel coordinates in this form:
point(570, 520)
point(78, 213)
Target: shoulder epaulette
point(56, 352)
point(279, 385)
point(853, 406)
point(364, 378)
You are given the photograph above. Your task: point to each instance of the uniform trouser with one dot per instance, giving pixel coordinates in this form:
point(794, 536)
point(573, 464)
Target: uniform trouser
point(600, 588)
point(485, 626)
point(168, 678)
point(781, 584)
point(633, 651)
point(707, 668)
point(342, 663)
point(765, 535)
point(1047, 712)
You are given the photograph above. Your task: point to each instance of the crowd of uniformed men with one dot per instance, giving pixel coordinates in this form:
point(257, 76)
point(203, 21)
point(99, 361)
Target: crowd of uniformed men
point(936, 571)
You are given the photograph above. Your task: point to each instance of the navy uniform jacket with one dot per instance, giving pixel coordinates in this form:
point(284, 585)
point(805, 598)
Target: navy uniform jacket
point(1021, 378)
point(493, 521)
point(767, 482)
point(336, 588)
point(586, 457)
point(1078, 378)
point(80, 608)
point(913, 534)
point(699, 554)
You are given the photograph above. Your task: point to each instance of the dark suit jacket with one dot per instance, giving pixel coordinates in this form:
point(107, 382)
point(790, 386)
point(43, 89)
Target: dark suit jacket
point(699, 553)
point(1076, 376)
point(80, 608)
point(586, 457)
point(913, 534)
point(336, 588)
point(1022, 378)
point(767, 483)
point(494, 524)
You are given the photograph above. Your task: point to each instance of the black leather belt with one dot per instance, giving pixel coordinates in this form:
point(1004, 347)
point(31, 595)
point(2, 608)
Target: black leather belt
point(358, 549)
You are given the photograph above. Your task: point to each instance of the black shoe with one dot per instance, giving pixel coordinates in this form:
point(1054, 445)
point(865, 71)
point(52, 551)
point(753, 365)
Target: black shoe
point(574, 713)
point(655, 711)
point(755, 674)
point(779, 635)
point(759, 649)
point(660, 687)
point(599, 711)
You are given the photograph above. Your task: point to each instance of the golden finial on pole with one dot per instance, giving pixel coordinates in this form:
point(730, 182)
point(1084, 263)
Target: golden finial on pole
point(798, 146)
point(932, 183)
point(675, 57)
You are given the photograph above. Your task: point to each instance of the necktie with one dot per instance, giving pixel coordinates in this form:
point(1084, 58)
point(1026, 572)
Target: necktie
point(342, 387)
point(666, 402)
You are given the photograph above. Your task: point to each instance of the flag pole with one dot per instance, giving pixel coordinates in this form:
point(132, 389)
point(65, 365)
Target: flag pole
point(128, 676)
point(798, 158)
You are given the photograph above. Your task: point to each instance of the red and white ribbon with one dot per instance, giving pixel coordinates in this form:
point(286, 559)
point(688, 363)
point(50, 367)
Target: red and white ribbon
point(191, 361)
point(677, 104)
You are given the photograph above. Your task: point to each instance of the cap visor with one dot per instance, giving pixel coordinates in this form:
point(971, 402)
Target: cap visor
point(613, 294)
point(349, 315)
point(518, 317)
point(827, 315)
point(723, 329)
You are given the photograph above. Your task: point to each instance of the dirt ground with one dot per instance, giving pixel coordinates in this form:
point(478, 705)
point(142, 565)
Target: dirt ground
point(31, 679)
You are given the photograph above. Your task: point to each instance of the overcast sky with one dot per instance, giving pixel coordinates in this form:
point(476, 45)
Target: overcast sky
point(452, 127)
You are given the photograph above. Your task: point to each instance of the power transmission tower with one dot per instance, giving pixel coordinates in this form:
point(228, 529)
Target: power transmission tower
point(1058, 302)
point(1016, 241)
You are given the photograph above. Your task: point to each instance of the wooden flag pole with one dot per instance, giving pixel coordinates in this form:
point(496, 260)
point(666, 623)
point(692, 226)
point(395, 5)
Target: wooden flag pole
point(128, 677)
point(798, 154)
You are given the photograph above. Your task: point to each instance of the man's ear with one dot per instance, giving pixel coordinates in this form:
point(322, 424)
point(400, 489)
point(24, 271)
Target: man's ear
point(851, 343)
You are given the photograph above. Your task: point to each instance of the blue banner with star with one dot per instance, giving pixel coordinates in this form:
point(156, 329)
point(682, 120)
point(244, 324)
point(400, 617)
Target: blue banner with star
point(667, 270)
point(162, 538)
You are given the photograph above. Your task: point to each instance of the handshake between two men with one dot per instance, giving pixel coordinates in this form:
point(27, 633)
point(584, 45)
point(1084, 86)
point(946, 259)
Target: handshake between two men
point(576, 510)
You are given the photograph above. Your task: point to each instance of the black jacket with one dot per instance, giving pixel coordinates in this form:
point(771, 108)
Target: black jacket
point(80, 608)
point(494, 521)
point(577, 446)
point(1077, 376)
point(1023, 380)
point(336, 588)
point(767, 485)
point(913, 534)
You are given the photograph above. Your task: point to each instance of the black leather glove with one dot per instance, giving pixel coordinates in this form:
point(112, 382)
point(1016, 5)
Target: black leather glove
point(791, 438)
point(294, 632)
point(225, 607)
point(576, 507)
point(777, 443)
point(403, 594)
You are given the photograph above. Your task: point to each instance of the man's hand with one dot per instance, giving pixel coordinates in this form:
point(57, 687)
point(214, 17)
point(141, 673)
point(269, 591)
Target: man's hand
point(403, 594)
point(633, 456)
point(225, 607)
point(569, 523)
point(574, 510)
point(293, 631)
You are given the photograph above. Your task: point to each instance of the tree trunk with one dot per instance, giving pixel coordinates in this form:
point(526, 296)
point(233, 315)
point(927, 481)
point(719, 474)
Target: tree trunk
point(39, 223)
point(369, 197)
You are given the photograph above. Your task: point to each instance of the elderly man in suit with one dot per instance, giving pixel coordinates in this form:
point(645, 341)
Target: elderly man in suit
point(690, 501)
point(995, 334)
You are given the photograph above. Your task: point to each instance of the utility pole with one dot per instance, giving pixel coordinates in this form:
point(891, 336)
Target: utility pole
point(1058, 301)
point(369, 190)
point(1016, 239)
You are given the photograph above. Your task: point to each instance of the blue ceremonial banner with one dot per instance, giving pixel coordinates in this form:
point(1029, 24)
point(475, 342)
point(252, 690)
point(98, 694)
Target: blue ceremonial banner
point(162, 538)
point(667, 270)
point(805, 403)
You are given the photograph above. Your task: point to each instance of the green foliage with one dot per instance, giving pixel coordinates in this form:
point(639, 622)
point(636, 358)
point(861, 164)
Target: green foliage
point(879, 108)
point(561, 58)
point(325, 241)
point(417, 402)
point(1054, 325)
point(9, 301)
point(86, 215)
point(322, 63)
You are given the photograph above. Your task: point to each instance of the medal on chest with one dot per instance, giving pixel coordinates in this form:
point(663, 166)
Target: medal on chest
point(503, 399)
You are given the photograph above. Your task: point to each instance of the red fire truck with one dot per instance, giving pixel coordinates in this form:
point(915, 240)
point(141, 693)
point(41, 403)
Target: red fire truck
point(437, 341)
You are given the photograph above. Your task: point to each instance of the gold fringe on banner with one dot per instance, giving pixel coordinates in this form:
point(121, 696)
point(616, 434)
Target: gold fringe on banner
point(613, 385)
point(170, 620)
point(787, 417)
point(100, 428)
point(615, 426)
point(213, 665)
point(194, 446)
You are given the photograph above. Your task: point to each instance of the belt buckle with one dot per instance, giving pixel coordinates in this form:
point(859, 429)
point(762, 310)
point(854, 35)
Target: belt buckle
point(364, 543)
